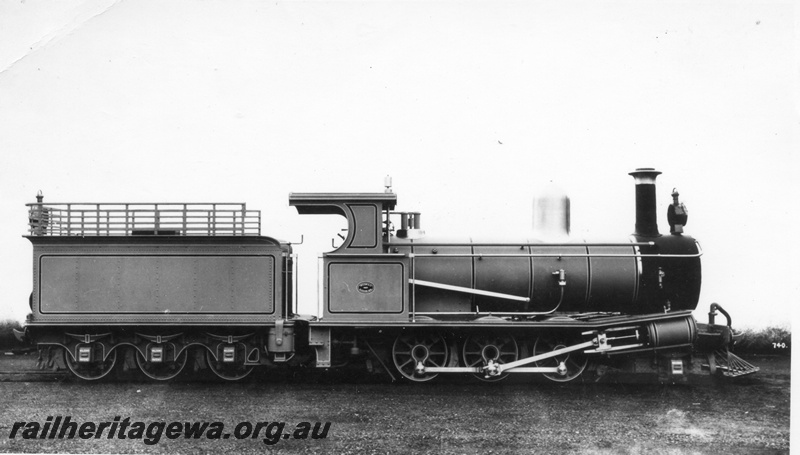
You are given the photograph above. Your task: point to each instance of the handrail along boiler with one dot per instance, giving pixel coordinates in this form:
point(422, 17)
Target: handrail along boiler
point(165, 288)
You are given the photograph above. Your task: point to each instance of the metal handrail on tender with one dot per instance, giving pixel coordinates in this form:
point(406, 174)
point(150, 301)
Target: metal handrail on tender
point(131, 219)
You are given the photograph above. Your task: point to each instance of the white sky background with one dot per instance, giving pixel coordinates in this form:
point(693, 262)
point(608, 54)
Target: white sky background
point(470, 106)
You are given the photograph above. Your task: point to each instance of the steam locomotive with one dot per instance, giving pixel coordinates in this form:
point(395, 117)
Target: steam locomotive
point(166, 289)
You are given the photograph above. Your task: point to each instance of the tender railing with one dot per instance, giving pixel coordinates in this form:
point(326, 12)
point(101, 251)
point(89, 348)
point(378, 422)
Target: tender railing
point(127, 219)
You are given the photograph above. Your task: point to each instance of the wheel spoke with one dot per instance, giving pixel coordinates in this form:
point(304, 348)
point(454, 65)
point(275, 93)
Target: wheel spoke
point(431, 350)
point(574, 362)
point(497, 349)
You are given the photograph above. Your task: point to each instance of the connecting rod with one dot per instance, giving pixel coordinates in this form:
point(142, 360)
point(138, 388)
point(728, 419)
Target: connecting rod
point(495, 369)
point(500, 367)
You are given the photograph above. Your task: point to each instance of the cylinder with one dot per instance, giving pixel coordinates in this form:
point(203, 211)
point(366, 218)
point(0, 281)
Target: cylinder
point(672, 333)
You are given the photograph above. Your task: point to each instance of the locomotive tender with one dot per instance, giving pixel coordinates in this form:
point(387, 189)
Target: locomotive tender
point(168, 288)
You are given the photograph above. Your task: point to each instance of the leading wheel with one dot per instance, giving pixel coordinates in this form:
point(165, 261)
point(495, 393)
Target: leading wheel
point(569, 365)
point(98, 367)
point(412, 351)
point(481, 350)
point(161, 371)
point(229, 371)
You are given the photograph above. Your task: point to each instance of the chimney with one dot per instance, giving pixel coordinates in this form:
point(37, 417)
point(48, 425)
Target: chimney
point(646, 221)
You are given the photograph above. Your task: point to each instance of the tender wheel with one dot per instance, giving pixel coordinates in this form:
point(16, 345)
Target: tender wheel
point(229, 371)
point(161, 371)
point(411, 350)
point(570, 365)
point(480, 350)
point(96, 368)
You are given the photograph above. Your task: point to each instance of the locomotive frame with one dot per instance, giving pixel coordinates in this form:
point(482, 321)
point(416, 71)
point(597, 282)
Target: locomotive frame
point(159, 287)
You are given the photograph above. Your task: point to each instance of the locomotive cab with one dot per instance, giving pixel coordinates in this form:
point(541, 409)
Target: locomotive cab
point(361, 279)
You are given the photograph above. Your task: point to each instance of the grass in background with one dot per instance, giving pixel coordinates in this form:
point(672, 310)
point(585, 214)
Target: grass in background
point(772, 341)
point(7, 339)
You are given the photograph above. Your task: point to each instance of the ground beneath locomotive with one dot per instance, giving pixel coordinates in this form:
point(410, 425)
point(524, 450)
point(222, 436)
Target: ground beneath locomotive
point(452, 416)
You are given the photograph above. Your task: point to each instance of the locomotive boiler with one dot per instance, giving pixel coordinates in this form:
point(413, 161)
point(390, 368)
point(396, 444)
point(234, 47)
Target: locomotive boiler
point(166, 289)
point(640, 274)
